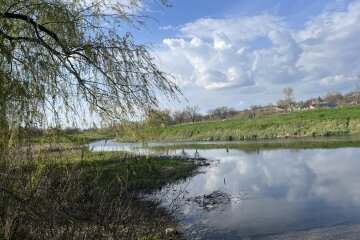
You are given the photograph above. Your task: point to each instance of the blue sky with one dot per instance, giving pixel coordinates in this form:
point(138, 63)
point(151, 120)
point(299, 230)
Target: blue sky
point(242, 53)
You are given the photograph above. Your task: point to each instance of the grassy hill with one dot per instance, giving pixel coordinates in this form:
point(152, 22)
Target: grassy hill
point(319, 122)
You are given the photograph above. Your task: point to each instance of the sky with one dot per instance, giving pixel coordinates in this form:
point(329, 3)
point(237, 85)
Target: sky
point(243, 53)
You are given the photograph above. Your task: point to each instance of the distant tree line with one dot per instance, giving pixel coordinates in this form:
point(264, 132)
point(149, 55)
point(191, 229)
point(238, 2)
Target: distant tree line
point(331, 99)
point(155, 118)
point(190, 114)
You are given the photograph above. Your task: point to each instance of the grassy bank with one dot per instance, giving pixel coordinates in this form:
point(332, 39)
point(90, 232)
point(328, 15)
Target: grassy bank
point(76, 194)
point(80, 137)
point(255, 145)
point(137, 172)
point(319, 122)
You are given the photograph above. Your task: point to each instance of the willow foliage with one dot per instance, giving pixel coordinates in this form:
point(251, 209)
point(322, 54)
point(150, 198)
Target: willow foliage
point(59, 55)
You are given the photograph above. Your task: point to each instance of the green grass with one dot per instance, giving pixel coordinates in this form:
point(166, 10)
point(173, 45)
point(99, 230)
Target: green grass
point(141, 172)
point(254, 145)
point(136, 171)
point(88, 191)
point(81, 137)
point(319, 122)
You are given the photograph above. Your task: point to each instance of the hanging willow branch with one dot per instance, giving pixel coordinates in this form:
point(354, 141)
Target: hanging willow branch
point(67, 53)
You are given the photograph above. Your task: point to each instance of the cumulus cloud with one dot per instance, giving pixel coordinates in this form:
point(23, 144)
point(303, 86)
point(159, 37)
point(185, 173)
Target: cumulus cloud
point(312, 175)
point(222, 59)
point(278, 63)
point(214, 64)
point(238, 29)
point(330, 47)
point(218, 54)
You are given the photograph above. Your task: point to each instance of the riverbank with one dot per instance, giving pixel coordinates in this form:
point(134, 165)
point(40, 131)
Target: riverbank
point(75, 137)
point(310, 123)
point(268, 144)
point(73, 194)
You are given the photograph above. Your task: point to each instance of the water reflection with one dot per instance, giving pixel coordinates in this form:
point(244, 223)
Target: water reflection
point(287, 191)
point(270, 192)
point(112, 145)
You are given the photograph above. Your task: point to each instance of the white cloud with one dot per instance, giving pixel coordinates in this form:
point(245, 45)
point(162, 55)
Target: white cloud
point(278, 63)
point(334, 80)
point(218, 54)
point(330, 45)
point(222, 61)
point(215, 65)
point(167, 27)
point(221, 41)
point(237, 29)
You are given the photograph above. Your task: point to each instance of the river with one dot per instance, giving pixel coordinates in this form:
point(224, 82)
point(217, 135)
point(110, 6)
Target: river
point(270, 194)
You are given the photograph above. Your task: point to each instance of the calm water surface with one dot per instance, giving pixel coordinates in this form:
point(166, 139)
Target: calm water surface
point(270, 193)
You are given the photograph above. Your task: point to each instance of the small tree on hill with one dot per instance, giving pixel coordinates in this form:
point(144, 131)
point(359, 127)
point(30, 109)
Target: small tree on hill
point(179, 116)
point(192, 113)
point(289, 93)
point(333, 97)
point(221, 112)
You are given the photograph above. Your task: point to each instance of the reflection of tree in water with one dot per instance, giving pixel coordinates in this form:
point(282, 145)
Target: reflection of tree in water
point(196, 155)
point(185, 154)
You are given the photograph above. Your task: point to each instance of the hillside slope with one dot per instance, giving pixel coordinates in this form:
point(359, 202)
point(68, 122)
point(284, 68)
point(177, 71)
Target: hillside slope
point(319, 122)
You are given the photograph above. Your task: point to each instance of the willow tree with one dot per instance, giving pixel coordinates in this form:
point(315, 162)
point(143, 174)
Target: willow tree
point(59, 55)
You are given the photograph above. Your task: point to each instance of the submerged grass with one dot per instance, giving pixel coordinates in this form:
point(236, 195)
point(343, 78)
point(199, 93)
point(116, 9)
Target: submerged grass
point(319, 122)
point(255, 145)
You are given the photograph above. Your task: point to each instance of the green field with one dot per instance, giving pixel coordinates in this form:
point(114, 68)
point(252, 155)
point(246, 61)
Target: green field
point(319, 122)
point(80, 137)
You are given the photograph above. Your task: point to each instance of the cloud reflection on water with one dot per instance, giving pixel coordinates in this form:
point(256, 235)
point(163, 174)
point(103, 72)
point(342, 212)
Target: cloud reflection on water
point(288, 190)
